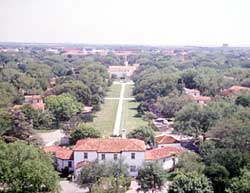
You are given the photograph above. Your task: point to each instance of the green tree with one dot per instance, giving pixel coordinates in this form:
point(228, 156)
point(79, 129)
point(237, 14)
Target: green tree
point(40, 119)
point(26, 169)
point(83, 131)
point(95, 175)
point(190, 162)
point(63, 106)
point(218, 175)
point(151, 177)
point(170, 105)
point(243, 100)
point(240, 184)
point(110, 185)
point(5, 121)
point(191, 182)
point(143, 133)
point(22, 128)
point(194, 120)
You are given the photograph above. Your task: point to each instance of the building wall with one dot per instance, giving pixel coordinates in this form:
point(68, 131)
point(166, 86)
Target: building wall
point(61, 164)
point(108, 157)
point(167, 163)
point(137, 162)
point(79, 156)
point(125, 156)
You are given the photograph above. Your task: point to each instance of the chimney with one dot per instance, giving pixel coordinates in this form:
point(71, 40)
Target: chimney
point(123, 133)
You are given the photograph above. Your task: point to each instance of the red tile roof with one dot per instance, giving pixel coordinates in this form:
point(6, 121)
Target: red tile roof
point(81, 164)
point(202, 98)
point(163, 152)
point(60, 152)
point(109, 145)
point(233, 89)
point(33, 97)
point(165, 139)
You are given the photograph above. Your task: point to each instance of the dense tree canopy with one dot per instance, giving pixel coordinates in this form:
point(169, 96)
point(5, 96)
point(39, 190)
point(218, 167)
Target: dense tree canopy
point(82, 131)
point(190, 182)
point(151, 177)
point(26, 169)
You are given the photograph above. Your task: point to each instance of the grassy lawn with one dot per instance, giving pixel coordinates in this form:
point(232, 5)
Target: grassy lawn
point(105, 119)
point(129, 120)
point(114, 90)
point(128, 91)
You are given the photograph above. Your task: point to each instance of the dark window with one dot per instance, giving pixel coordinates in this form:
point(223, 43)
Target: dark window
point(103, 156)
point(115, 156)
point(85, 155)
point(132, 168)
point(132, 155)
point(69, 164)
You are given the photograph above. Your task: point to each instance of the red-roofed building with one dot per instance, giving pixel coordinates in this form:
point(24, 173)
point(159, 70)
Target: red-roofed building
point(234, 89)
point(111, 149)
point(131, 151)
point(122, 71)
point(167, 156)
point(196, 96)
point(35, 101)
point(63, 157)
point(166, 141)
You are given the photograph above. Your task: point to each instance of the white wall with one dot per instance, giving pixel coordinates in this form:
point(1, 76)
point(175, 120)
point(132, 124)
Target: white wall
point(138, 161)
point(79, 156)
point(167, 163)
point(108, 157)
point(126, 156)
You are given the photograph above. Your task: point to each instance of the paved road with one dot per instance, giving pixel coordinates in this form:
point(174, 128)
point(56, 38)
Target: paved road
point(118, 98)
point(50, 137)
point(71, 187)
point(119, 111)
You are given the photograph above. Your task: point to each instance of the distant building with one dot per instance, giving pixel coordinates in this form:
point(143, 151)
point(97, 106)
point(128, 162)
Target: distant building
point(166, 141)
point(196, 96)
point(122, 71)
point(234, 89)
point(35, 101)
point(162, 124)
point(63, 157)
point(166, 156)
point(52, 50)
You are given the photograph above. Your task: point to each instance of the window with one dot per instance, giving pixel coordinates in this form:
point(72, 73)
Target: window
point(132, 155)
point(85, 155)
point(115, 156)
point(132, 168)
point(103, 156)
point(69, 164)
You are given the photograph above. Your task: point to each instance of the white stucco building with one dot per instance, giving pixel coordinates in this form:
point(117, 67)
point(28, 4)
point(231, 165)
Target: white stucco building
point(166, 141)
point(132, 151)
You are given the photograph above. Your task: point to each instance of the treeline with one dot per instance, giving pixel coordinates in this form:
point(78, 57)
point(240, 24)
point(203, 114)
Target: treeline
point(220, 128)
point(211, 71)
point(79, 81)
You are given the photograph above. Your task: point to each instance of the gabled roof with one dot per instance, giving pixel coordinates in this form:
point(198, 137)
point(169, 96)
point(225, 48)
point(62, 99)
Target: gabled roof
point(33, 97)
point(163, 152)
point(60, 152)
point(202, 98)
point(81, 164)
point(235, 88)
point(109, 145)
point(165, 139)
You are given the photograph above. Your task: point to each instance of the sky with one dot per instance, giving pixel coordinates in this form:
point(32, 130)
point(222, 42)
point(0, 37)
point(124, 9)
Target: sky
point(146, 22)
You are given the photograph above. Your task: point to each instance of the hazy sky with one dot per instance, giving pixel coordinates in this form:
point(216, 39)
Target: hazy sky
point(158, 22)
